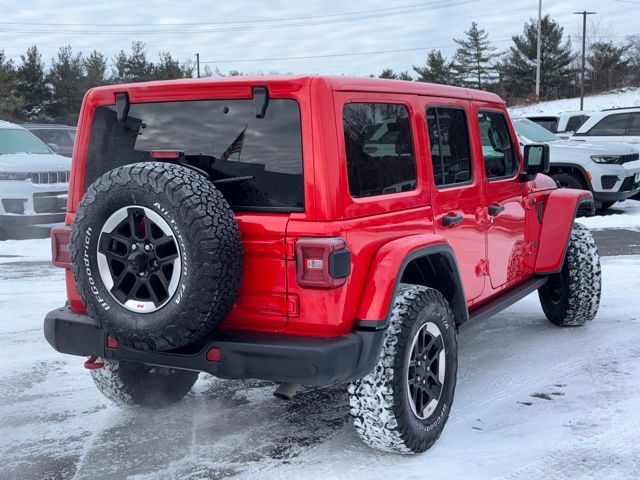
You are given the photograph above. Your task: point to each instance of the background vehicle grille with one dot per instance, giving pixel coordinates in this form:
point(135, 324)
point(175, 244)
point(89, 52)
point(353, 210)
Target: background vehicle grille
point(629, 158)
point(50, 202)
point(629, 184)
point(50, 177)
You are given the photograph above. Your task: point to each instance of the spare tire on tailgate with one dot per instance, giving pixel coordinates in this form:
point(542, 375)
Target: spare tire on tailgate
point(156, 255)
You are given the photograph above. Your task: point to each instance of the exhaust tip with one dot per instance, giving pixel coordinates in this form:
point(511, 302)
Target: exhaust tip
point(286, 391)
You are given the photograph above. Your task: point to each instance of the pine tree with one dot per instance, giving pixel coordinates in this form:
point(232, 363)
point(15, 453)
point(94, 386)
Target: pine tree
point(608, 69)
point(133, 67)
point(633, 56)
point(389, 73)
point(67, 81)
point(32, 86)
point(473, 57)
point(10, 102)
point(556, 72)
point(168, 68)
point(95, 67)
point(437, 69)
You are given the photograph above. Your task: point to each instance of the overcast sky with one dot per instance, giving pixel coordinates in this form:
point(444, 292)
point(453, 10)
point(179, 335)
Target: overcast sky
point(230, 33)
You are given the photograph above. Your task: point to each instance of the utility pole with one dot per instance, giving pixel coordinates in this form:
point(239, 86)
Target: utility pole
point(538, 53)
point(584, 47)
point(198, 64)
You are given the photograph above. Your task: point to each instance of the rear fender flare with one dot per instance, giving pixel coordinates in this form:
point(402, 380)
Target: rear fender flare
point(387, 269)
point(559, 213)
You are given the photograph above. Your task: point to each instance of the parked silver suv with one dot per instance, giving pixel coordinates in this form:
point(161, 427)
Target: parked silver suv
point(34, 182)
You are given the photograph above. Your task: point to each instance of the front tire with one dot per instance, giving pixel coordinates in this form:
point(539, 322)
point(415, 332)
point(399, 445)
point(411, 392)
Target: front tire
point(403, 404)
point(571, 297)
point(130, 384)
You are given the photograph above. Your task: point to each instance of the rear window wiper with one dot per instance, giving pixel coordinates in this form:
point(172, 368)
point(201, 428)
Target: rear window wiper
point(233, 180)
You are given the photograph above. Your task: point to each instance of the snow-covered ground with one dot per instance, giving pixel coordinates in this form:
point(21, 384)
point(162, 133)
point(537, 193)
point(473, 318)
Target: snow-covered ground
point(622, 215)
point(533, 401)
point(627, 97)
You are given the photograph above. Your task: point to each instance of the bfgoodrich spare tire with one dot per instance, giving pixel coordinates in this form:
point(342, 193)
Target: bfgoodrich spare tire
point(156, 255)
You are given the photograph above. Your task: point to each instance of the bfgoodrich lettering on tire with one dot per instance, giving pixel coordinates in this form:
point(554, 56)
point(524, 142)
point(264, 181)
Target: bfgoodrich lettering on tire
point(403, 404)
point(571, 297)
point(156, 255)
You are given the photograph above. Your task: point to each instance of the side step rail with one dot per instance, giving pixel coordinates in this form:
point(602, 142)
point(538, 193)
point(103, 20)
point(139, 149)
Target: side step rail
point(506, 299)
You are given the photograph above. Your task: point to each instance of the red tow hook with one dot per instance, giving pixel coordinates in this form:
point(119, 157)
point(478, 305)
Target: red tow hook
point(92, 364)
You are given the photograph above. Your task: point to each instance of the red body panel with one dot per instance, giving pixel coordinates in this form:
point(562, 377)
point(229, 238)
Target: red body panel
point(559, 211)
point(380, 231)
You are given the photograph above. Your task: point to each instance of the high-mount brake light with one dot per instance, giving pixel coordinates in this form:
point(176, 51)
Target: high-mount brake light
point(322, 262)
point(166, 154)
point(60, 242)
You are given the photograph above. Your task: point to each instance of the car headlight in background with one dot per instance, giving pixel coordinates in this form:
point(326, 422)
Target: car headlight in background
point(14, 176)
point(605, 158)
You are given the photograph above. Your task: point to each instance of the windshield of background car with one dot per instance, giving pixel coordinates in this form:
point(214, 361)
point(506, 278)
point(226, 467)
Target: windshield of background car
point(533, 132)
point(261, 158)
point(15, 140)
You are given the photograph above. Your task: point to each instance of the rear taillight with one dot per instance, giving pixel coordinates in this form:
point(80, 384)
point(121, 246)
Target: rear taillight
point(322, 262)
point(60, 242)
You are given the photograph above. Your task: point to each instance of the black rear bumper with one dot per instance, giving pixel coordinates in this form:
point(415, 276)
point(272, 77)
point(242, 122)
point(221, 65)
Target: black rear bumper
point(275, 357)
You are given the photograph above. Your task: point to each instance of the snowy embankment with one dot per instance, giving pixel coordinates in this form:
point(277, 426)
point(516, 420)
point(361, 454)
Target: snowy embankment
point(625, 97)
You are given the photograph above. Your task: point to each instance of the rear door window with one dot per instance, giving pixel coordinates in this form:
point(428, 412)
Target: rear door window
point(255, 162)
point(611, 126)
point(575, 122)
point(379, 149)
point(634, 126)
point(500, 157)
point(449, 140)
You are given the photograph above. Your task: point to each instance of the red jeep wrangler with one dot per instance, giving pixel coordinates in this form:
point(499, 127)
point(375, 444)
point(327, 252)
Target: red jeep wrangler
point(308, 230)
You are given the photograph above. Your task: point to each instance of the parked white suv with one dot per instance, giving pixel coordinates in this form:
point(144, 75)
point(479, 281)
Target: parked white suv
point(610, 171)
point(34, 183)
point(563, 122)
point(614, 125)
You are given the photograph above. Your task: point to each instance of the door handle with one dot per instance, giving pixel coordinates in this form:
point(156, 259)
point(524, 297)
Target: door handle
point(495, 209)
point(451, 219)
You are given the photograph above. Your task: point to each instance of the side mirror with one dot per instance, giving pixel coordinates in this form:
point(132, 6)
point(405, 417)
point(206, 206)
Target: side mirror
point(53, 146)
point(536, 160)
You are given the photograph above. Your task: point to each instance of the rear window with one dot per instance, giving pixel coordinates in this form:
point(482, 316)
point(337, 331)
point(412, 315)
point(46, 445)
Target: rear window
point(613, 125)
point(550, 123)
point(261, 158)
point(379, 149)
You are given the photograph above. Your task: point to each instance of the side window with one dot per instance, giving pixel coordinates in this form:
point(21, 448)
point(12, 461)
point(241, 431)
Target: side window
point(634, 126)
point(575, 122)
point(500, 157)
point(380, 158)
point(613, 125)
point(449, 140)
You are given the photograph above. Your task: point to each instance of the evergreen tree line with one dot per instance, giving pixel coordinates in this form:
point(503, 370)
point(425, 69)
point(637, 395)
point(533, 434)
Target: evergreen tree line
point(31, 92)
point(476, 63)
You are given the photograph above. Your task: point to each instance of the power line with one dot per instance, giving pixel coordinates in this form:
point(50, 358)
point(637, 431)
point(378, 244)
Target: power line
point(379, 14)
point(270, 20)
point(330, 55)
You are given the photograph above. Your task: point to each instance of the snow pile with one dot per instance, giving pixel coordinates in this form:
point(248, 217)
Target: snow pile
point(626, 97)
point(35, 250)
point(622, 215)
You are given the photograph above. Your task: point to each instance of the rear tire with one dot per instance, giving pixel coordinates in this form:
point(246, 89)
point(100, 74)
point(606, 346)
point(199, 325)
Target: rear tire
point(571, 297)
point(403, 404)
point(130, 384)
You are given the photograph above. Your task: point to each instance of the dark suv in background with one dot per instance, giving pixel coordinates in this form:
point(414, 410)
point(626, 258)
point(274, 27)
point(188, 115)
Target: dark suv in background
point(59, 138)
